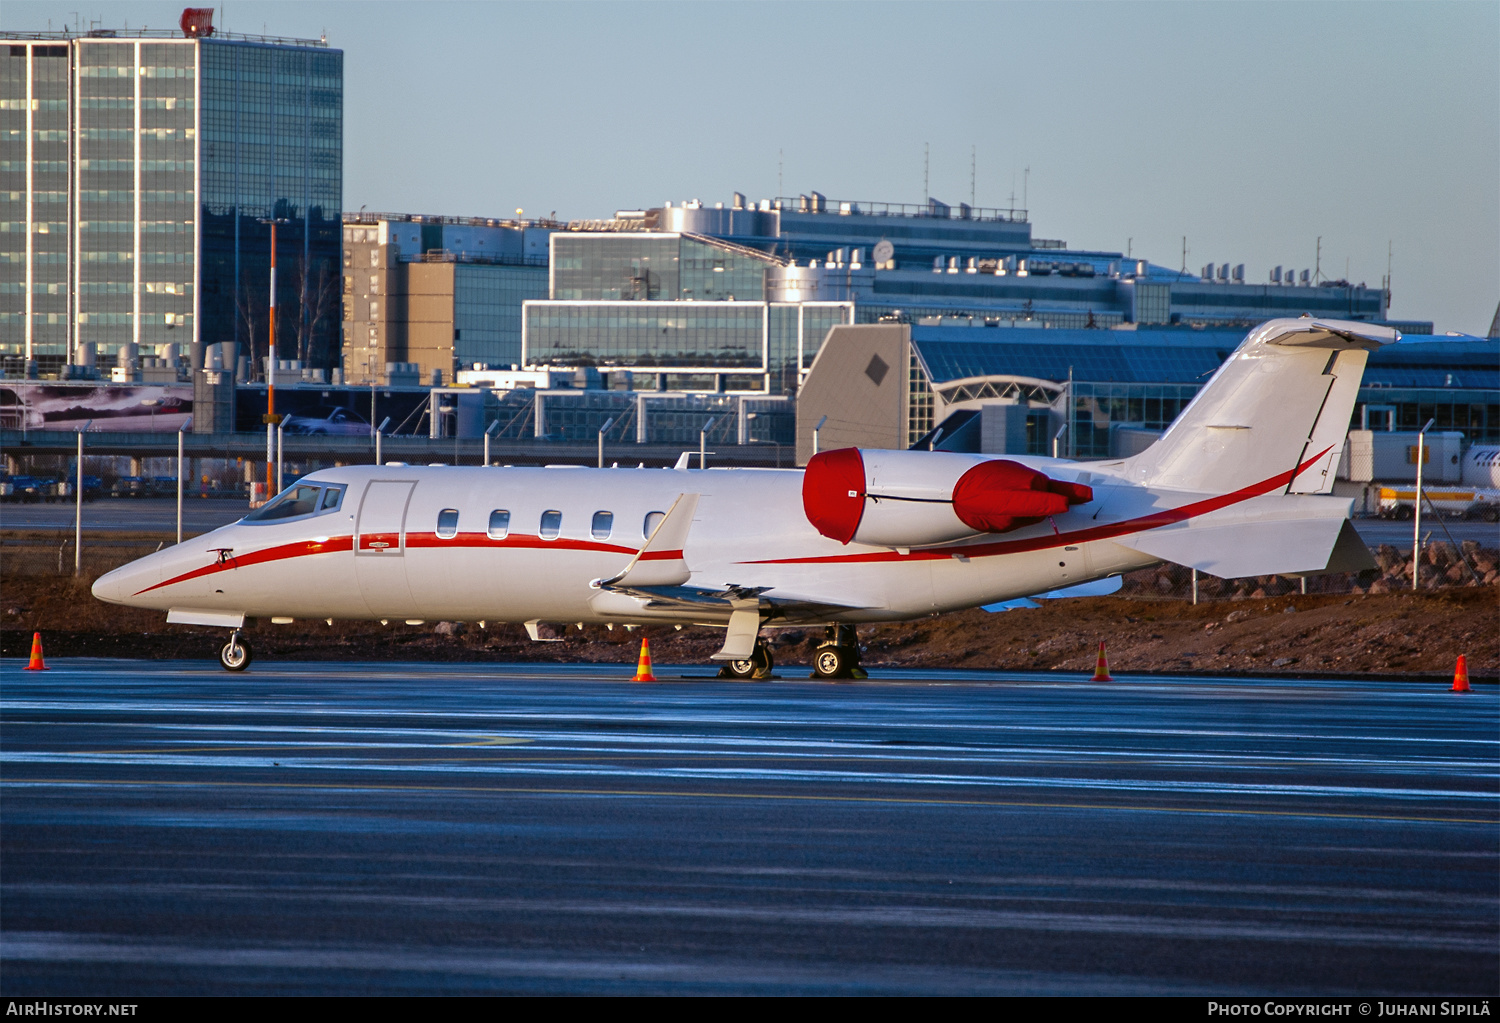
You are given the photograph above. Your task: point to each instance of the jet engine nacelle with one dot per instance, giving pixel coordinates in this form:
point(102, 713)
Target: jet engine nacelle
point(917, 498)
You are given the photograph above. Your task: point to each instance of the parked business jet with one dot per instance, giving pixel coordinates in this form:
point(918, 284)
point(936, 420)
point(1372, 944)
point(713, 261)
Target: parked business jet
point(1235, 487)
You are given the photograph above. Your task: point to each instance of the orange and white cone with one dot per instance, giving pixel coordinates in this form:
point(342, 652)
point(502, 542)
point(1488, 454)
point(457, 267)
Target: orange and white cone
point(643, 666)
point(36, 654)
point(1461, 675)
point(1101, 667)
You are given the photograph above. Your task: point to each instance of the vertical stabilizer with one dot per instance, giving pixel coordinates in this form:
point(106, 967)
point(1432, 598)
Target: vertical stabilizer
point(1281, 401)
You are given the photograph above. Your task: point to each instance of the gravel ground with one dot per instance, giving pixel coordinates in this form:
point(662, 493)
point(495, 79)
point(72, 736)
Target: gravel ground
point(1148, 628)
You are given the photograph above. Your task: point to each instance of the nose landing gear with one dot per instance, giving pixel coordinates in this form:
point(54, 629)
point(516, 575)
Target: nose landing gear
point(235, 655)
point(838, 655)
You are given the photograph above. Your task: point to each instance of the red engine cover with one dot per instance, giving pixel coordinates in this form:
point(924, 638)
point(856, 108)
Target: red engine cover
point(997, 496)
point(833, 493)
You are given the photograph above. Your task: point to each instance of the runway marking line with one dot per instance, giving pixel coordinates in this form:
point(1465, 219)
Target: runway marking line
point(769, 796)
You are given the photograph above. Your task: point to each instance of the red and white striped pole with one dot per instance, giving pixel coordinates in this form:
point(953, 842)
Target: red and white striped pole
point(271, 376)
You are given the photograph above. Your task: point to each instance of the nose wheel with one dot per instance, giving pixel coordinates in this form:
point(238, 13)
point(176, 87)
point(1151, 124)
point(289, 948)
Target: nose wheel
point(235, 655)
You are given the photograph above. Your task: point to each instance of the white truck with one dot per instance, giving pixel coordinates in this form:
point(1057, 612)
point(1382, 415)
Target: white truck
point(1475, 496)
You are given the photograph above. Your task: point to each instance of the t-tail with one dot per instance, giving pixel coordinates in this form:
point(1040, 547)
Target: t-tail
point(1262, 441)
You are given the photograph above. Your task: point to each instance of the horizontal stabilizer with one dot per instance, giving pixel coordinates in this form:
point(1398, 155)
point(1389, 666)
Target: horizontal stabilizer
point(1350, 554)
point(1235, 550)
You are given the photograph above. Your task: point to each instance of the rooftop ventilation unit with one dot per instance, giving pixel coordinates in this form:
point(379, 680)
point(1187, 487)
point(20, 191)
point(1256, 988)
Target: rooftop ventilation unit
point(1223, 271)
point(739, 201)
point(1208, 272)
point(1276, 274)
point(1306, 276)
point(1239, 273)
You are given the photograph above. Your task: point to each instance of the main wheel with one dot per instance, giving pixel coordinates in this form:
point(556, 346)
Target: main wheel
point(235, 655)
point(757, 666)
point(833, 661)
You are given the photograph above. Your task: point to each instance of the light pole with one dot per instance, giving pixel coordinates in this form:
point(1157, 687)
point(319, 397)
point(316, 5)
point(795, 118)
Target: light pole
point(444, 410)
point(153, 404)
point(379, 433)
point(1416, 526)
point(703, 443)
point(488, 433)
point(180, 431)
point(279, 428)
point(602, 431)
point(817, 430)
point(78, 505)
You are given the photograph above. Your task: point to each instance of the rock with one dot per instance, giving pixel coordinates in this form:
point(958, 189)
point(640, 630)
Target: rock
point(1282, 662)
point(1237, 616)
point(1291, 609)
point(449, 628)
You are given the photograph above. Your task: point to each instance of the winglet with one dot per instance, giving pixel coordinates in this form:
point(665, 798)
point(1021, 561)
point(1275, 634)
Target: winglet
point(660, 560)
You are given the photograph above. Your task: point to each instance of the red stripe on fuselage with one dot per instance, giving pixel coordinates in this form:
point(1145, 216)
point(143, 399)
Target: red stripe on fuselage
point(1154, 520)
point(338, 544)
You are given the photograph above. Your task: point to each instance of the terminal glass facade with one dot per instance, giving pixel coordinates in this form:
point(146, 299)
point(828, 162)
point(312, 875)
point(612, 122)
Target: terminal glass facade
point(745, 345)
point(653, 267)
point(272, 148)
point(177, 148)
point(487, 304)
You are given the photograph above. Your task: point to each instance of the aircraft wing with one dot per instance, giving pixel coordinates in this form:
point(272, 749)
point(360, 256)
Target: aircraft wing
point(770, 607)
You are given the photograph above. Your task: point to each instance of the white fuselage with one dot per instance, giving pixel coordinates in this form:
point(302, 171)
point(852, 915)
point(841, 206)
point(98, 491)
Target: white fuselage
point(380, 554)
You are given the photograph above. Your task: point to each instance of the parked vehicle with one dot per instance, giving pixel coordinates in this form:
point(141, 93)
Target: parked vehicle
point(1458, 502)
point(328, 419)
point(128, 486)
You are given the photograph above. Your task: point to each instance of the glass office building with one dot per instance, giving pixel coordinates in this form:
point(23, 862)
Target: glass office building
point(686, 312)
point(138, 172)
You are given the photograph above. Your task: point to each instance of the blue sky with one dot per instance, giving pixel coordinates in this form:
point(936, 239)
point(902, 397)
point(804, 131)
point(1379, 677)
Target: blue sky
point(1250, 128)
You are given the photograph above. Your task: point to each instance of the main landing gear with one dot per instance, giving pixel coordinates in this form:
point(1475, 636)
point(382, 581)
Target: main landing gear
point(838, 655)
point(235, 655)
point(758, 666)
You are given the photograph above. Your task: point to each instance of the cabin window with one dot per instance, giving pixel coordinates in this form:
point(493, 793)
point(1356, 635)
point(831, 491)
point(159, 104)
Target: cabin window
point(551, 524)
point(499, 524)
point(653, 519)
point(331, 498)
point(447, 524)
point(603, 522)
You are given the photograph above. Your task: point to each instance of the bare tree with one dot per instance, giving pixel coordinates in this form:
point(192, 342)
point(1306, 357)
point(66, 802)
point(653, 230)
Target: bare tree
point(319, 288)
point(250, 305)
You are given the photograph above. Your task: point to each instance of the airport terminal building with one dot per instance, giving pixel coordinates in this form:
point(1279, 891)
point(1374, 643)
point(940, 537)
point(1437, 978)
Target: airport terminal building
point(738, 298)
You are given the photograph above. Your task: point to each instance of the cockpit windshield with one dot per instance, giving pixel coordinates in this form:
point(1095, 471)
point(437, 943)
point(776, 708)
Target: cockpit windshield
point(296, 501)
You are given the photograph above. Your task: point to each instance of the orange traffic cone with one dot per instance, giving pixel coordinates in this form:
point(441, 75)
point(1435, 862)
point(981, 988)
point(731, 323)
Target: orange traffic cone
point(1101, 667)
point(36, 653)
point(643, 666)
point(1461, 675)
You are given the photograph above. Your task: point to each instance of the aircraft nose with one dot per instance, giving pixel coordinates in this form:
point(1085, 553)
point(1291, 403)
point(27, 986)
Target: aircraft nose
point(120, 585)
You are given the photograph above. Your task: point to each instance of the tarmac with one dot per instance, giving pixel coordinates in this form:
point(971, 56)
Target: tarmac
point(383, 828)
